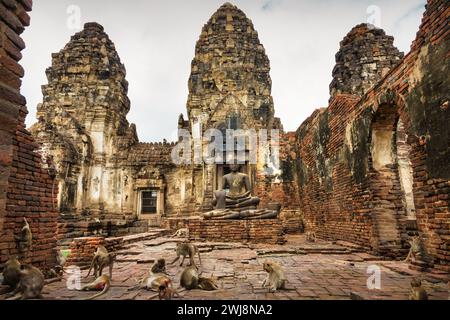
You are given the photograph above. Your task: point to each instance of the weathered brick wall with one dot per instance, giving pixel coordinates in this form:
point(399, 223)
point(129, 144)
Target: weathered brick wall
point(25, 187)
point(82, 249)
point(342, 196)
point(282, 189)
point(251, 231)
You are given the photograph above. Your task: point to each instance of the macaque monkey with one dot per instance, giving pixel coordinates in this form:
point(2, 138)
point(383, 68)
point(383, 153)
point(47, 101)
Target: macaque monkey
point(102, 258)
point(311, 236)
point(30, 285)
point(181, 233)
point(159, 267)
point(276, 279)
point(208, 284)
point(153, 282)
point(102, 283)
point(189, 278)
point(355, 296)
point(187, 249)
point(417, 291)
point(25, 238)
point(415, 249)
point(166, 292)
point(11, 273)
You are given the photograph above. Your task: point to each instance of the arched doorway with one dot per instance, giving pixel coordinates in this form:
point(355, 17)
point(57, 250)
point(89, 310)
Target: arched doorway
point(391, 180)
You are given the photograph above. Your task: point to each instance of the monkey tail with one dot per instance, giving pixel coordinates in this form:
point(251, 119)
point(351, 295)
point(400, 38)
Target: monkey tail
point(199, 258)
point(90, 269)
point(104, 291)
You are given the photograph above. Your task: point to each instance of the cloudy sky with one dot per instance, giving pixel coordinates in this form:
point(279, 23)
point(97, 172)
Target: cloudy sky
point(156, 41)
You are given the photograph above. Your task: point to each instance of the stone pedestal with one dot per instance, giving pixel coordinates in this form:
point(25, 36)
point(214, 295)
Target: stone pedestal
point(244, 231)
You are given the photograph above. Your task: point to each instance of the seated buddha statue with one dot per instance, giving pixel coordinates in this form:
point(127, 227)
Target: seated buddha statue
point(238, 202)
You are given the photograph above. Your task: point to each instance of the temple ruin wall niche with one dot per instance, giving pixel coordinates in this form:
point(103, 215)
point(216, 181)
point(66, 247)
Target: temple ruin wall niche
point(357, 157)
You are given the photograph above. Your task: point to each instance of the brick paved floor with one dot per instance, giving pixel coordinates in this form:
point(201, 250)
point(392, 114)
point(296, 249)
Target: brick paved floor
point(315, 271)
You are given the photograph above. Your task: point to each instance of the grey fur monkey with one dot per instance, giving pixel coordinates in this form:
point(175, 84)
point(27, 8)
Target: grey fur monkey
point(30, 286)
point(275, 279)
point(102, 258)
point(187, 250)
point(417, 291)
point(25, 238)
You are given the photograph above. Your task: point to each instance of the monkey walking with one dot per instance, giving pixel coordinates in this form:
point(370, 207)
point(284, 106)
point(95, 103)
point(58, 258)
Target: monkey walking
point(417, 291)
point(187, 250)
point(102, 283)
point(275, 279)
point(102, 258)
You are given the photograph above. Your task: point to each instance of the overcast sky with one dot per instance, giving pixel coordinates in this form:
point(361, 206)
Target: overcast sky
point(156, 40)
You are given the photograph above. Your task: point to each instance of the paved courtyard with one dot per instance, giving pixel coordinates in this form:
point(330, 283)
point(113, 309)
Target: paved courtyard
point(315, 271)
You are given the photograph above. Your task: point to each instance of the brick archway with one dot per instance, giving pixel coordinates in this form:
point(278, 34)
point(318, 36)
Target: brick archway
point(390, 175)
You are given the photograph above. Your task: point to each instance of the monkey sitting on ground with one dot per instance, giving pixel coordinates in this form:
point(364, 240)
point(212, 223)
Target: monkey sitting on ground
point(415, 250)
point(102, 283)
point(190, 280)
point(276, 279)
point(311, 236)
point(159, 267)
point(417, 291)
point(185, 250)
point(181, 233)
point(11, 273)
point(102, 258)
point(30, 285)
point(24, 239)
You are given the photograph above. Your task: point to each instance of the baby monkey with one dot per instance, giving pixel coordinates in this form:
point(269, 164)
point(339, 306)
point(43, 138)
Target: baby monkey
point(159, 267)
point(417, 291)
point(276, 279)
point(166, 292)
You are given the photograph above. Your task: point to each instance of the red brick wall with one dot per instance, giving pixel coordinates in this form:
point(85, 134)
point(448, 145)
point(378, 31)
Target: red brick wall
point(82, 249)
point(252, 231)
point(25, 187)
point(285, 191)
point(340, 192)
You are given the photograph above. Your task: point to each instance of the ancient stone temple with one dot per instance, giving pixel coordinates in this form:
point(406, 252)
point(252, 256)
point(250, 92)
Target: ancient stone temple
point(101, 167)
point(105, 173)
point(366, 55)
point(367, 178)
